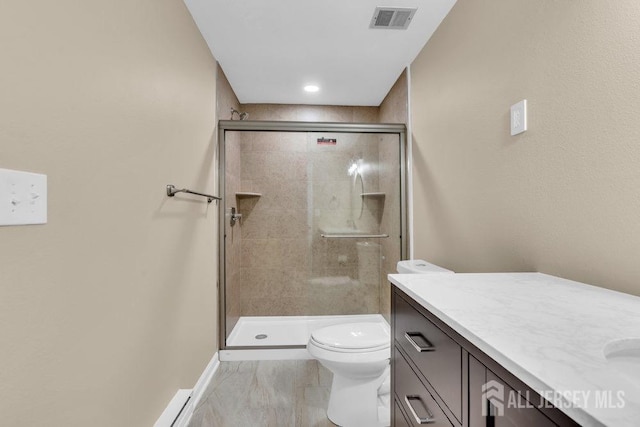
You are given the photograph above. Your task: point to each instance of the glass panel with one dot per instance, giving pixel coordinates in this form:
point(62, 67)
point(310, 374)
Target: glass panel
point(303, 196)
point(355, 181)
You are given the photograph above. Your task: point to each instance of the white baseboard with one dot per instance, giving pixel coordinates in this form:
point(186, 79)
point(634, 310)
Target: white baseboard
point(198, 392)
point(194, 397)
point(173, 408)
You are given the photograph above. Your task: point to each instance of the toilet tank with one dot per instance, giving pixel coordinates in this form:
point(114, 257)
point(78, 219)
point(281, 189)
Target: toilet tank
point(419, 266)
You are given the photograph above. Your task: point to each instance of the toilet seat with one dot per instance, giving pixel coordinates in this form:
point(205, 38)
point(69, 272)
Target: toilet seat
point(324, 346)
point(362, 356)
point(353, 337)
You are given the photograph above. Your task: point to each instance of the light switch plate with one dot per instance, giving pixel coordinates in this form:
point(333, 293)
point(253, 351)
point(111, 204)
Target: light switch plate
point(519, 117)
point(23, 198)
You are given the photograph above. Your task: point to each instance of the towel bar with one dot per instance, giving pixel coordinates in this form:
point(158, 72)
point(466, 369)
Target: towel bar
point(171, 191)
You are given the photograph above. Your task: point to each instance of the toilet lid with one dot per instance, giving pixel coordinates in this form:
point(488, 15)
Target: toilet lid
point(365, 335)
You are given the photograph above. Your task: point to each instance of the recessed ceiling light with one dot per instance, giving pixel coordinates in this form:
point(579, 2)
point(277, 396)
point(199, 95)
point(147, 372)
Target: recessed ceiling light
point(311, 88)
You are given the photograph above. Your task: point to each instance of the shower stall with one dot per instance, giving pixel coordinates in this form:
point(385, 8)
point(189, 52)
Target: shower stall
point(312, 221)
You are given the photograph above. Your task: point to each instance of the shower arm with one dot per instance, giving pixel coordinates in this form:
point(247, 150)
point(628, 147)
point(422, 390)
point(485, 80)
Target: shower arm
point(241, 116)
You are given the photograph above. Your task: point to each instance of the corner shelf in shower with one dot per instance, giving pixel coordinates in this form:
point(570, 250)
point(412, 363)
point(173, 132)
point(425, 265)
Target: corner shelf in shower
point(375, 194)
point(247, 194)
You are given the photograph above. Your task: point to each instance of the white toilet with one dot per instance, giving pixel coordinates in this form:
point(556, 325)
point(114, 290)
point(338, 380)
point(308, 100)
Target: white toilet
point(418, 266)
point(358, 356)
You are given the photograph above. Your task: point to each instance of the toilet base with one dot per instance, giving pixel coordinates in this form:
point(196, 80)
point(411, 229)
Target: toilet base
point(354, 403)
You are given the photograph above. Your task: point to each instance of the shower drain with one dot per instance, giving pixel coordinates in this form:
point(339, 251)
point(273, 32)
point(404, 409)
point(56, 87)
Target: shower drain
point(261, 336)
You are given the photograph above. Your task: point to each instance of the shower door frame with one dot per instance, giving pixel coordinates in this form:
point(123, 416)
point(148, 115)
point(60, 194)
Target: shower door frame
point(286, 126)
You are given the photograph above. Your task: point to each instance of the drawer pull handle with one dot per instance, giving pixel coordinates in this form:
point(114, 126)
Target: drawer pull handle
point(420, 420)
point(426, 346)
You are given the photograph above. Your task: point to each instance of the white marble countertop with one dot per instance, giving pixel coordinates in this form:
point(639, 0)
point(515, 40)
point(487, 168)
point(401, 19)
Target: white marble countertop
point(549, 332)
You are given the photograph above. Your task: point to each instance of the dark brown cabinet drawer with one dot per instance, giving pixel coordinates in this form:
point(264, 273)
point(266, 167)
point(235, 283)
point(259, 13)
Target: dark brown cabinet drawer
point(519, 414)
point(414, 398)
point(398, 417)
point(437, 356)
point(505, 407)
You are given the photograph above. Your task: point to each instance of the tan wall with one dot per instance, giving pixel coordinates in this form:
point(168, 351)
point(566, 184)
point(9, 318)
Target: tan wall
point(561, 198)
point(111, 307)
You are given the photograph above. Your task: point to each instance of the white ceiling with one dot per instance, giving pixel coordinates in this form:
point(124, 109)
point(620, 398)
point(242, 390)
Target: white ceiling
point(269, 50)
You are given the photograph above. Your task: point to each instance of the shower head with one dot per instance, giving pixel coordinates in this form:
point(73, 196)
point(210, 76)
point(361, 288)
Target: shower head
point(241, 116)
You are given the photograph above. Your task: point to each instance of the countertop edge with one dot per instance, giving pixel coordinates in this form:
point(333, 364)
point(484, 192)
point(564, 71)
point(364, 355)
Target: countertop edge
point(578, 414)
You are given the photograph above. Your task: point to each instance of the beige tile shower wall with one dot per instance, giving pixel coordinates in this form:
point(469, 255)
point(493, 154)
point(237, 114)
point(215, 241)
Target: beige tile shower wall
point(311, 113)
point(394, 109)
point(287, 268)
point(275, 255)
point(111, 306)
point(561, 198)
point(284, 266)
point(226, 100)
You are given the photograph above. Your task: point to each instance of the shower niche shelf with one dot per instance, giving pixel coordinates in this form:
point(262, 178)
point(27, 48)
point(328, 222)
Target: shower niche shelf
point(373, 194)
point(247, 194)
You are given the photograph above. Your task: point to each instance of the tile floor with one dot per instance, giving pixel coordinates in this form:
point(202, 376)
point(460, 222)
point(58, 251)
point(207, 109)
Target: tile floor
point(283, 393)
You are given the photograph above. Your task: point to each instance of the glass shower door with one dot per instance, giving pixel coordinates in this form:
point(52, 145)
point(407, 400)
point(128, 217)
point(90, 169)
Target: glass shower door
point(320, 229)
point(355, 223)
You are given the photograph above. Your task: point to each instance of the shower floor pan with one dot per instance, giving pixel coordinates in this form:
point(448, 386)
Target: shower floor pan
point(271, 331)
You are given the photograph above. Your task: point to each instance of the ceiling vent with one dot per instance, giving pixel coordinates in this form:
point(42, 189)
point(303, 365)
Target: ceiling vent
point(392, 18)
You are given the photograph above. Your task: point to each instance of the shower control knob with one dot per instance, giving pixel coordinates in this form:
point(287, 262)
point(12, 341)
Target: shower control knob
point(235, 217)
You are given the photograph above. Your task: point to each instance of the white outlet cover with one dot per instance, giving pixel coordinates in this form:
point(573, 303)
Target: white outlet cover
point(23, 198)
point(519, 117)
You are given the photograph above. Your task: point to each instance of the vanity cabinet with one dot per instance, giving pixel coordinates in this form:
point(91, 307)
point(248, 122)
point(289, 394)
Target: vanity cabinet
point(399, 419)
point(438, 378)
point(416, 400)
point(483, 413)
point(436, 357)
